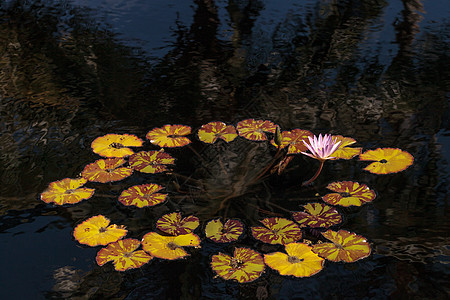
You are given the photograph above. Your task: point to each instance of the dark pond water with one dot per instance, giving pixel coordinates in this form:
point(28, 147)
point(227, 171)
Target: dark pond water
point(377, 71)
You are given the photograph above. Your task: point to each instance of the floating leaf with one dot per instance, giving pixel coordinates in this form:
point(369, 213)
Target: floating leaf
point(97, 231)
point(345, 246)
point(169, 247)
point(173, 224)
point(294, 139)
point(387, 160)
point(124, 255)
point(254, 129)
point(277, 231)
point(317, 215)
point(66, 191)
point(349, 193)
point(142, 195)
point(169, 136)
point(218, 232)
point(115, 145)
point(106, 170)
point(345, 152)
point(151, 161)
point(299, 261)
point(246, 265)
point(209, 133)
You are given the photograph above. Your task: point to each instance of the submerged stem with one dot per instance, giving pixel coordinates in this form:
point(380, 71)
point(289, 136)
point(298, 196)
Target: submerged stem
point(267, 168)
point(315, 175)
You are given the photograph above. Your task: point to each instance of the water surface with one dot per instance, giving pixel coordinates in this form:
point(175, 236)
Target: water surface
point(71, 71)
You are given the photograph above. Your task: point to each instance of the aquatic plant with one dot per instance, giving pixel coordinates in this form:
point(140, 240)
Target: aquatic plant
point(227, 232)
point(299, 260)
point(320, 148)
point(244, 266)
point(170, 136)
point(67, 191)
point(115, 145)
point(124, 255)
point(174, 236)
point(97, 231)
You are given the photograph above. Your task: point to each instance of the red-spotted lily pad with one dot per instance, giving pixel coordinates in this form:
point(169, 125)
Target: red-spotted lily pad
point(218, 232)
point(151, 161)
point(174, 224)
point(387, 160)
point(115, 145)
point(170, 136)
point(106, 170)
point(96, 231)
point(349, 193)
point(124, 255)
point(142, 195)
point(299, 261)
point(209, 133)
point(254, 130)
point(317, 215)
point(345, 246)
point(246, 265)
point(277, 231)
point(345, 152)
point(294, 139)
point(169, 247)
point(67, 191)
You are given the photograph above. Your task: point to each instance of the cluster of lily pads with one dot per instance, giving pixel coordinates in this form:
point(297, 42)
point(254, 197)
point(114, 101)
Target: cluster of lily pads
point(301, 258)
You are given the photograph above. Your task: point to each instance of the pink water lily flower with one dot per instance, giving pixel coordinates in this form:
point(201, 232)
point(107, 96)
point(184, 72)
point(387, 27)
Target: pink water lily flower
point(321, 148)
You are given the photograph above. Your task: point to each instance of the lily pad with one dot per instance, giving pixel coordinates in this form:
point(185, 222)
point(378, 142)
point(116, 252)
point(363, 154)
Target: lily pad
point(209, 133)
point(254, 130)
point(294, 140)
point(106, 170)
point(219, 232)
point(96, 231)
point(169, 247)
point(317, 215)
point(246, 265)
point(124, 255)
point(345, 246)
point(142, 195)
point(67, 191)
point(345, 152)
point(277, 231)
point(349, 193)
point(300, 261)
point(115, 145)
point(387, 160)
point(174, 224)
point(170, 136)
point(151, 161)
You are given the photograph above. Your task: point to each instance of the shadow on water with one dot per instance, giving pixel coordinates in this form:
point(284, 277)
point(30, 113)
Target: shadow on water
point(373, 70)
